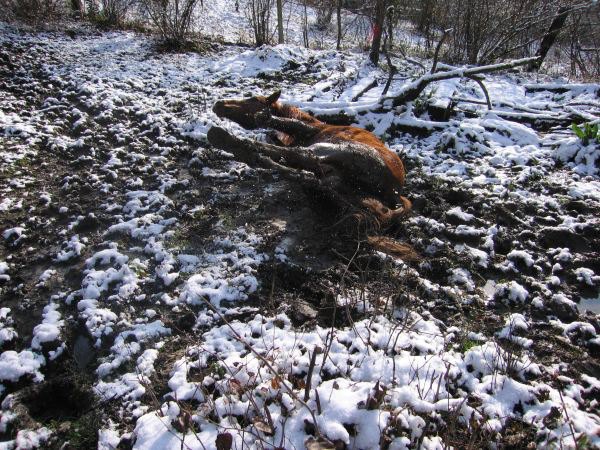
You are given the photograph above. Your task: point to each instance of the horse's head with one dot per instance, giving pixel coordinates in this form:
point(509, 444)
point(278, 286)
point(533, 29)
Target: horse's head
point(243, 111)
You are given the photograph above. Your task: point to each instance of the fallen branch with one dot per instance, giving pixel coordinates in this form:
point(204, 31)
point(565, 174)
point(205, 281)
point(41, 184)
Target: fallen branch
point(561, 88)
point(484, 89)
point(412, 91)
point(363, 91)
point(539, 122)
point(443, 67)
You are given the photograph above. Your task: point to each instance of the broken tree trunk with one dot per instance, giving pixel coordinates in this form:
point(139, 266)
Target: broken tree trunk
point(412, 91)
point(550, 37)
point(379, 19)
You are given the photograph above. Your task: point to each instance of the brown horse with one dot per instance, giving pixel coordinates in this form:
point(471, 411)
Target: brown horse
point(350, 160)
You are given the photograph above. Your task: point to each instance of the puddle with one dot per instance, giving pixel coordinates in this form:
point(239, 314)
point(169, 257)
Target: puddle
point(83, 351)
point(589, 304)
point(59, 399)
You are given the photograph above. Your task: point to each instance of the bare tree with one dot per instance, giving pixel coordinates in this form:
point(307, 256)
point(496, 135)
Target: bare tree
point(324, 10)
point(582, 43)
point(77, 8)
point(488, 30)
point(33, 12)
point(91, 7)
point(258, 13)
point(305, 25)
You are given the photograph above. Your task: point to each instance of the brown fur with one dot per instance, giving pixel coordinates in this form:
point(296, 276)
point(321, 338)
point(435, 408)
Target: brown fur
point(341, 133)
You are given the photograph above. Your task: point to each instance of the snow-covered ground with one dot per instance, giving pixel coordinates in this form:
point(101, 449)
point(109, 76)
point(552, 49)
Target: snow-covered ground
point(179, 296)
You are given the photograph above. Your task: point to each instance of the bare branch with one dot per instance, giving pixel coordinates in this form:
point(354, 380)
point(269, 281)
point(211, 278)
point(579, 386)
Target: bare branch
point(437, 49)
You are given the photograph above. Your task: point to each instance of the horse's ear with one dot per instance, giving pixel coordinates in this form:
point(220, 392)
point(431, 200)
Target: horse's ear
point(273, 97)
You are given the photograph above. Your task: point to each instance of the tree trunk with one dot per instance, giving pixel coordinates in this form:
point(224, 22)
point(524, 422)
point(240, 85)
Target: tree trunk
point(379, 19)
point(77, 7)
point(305, 26)
point(92, 8)
point(339, 24)
point(550, 37)
point(280, 21)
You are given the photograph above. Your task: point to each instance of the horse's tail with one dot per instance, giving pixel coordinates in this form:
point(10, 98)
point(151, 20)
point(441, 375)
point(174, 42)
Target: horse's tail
point(392, 247)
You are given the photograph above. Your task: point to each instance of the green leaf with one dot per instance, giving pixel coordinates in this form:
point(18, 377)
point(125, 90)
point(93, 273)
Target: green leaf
point(578, 131)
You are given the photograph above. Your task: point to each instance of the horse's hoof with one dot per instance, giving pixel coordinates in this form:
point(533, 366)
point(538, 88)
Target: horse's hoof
point(219, 137)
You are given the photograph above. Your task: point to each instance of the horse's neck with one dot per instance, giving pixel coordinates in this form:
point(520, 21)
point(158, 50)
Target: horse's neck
point(291, 112)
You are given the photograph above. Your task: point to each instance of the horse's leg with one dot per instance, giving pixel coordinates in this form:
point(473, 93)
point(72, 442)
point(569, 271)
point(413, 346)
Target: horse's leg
point(286, 172)
point(280, 138)
point(248, 151)
point(293, 127)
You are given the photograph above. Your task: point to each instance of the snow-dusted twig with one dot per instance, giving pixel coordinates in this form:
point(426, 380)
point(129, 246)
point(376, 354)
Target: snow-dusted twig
point(311, 368)
point(267, 364)
point(569, 422)
point(366, 89)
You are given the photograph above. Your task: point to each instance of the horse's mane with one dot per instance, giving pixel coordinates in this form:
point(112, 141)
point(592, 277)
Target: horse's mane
point(291, 112)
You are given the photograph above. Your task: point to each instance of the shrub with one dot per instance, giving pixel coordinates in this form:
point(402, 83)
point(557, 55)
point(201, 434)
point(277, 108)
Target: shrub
point(114, 12)
point(173, 19)
point(32, 12)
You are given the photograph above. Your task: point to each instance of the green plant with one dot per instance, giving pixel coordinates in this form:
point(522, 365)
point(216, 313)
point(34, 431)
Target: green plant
point(467, 344)
point(587, 133)
point(217, 369)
